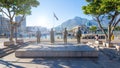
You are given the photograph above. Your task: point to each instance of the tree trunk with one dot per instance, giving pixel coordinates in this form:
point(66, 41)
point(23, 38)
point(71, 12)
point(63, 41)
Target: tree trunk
point(16, 33)
point(109, 35)
point(11, 32)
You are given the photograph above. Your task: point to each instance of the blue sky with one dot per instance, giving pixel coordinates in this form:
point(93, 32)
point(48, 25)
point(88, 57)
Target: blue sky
point(64, 10)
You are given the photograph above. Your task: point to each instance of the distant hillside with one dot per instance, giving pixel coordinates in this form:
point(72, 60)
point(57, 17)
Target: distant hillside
point(76, 22)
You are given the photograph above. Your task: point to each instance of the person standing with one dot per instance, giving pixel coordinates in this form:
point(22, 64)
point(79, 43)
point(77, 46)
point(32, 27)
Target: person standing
point(78, 35)
point(65, 33)
point(52, 40)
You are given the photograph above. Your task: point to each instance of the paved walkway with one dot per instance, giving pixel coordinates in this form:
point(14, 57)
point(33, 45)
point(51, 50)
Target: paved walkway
point(103, 61)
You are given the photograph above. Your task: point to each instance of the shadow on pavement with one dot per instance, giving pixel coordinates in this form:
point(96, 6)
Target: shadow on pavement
point(63, 62)
point(9, 65)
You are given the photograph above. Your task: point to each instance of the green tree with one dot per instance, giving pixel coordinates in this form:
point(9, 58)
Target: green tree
point(93, 28)
point(117, 28)
point(12, 8)
point(101, 9)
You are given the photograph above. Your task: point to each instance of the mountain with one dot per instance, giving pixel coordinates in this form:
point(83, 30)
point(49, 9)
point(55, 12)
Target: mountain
point(77, 21)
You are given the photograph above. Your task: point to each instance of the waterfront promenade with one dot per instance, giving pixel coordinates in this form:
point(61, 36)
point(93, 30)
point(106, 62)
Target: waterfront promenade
point(103, 61)
point(45, 41)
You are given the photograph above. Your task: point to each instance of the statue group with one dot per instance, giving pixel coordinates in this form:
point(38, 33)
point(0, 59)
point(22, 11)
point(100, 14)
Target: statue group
point(65, 34)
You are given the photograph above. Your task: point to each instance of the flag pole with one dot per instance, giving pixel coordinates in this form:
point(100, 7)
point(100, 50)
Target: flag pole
point(53, 21)
point(54, 17)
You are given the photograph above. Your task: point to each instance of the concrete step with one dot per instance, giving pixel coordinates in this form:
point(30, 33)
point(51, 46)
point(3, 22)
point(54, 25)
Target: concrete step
point(9, 50)
point(6, 53)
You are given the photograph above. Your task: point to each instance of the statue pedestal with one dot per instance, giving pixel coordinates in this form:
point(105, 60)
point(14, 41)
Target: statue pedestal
point(33, 51)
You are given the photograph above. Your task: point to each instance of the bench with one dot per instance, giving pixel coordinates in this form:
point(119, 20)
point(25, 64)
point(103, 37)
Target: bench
point(8, 43)
point(19, 41)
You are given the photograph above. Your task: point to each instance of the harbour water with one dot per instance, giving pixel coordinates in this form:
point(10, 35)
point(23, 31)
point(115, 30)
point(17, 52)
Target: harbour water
point(47, 36)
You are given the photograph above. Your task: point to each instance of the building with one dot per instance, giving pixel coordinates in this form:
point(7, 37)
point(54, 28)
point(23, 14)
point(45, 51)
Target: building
point(83, 28)
point(4, 26)
point(22, 27)
point(31, 30)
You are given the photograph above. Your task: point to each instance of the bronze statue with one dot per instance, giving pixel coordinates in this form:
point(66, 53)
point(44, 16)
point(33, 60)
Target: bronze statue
point(65, 33)
point(52, 36)
point(78, 35)
point(38, 35)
